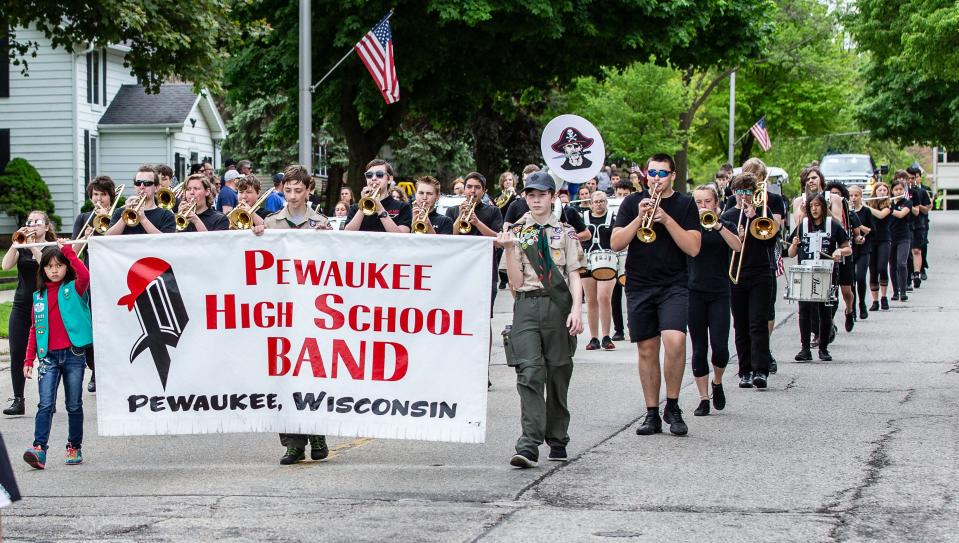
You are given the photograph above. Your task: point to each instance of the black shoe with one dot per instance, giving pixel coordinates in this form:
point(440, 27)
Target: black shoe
point(674, 417)
point(746, 380)
point(608, 343)
point(903, 297)
point(815, 340)
point(916, 281)
point(863, 314)
point(804, 355)
point(92, 385)
point(719, 397)
point(592, 345)
point(523, 460)
point(824, 354)
point(18, 407)
point(773, 365)
point(557, 453)
point(652, 424)
point(618, 336)
point(759, 380)
point(895, 297)
point(318, 448)
point(885, 303)
point(292, 456)
point(502, 286)
point(874, 306)
point(923, 275)
point(702, 410)
point(850, 321)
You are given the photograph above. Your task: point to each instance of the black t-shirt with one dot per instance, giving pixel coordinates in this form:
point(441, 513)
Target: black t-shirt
point(759, 256)
point(441, 223)
point(78, 233)
point(519, 207)
point(837, 236)
point(600, 230)
point(400, 212)
point(920, 196)
point(709, 270)
point(661, 263)
point(27, 269)
point(162, 219)
point(489, 215)
point(901, 229)
point(212, 219)
point(865, 218)
point(880, 232)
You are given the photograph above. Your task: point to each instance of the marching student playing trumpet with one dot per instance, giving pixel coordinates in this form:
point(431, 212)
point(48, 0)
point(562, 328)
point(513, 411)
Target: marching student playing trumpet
point(141, 214)
point(196, 213)
point(377, 210)
point(425, 218)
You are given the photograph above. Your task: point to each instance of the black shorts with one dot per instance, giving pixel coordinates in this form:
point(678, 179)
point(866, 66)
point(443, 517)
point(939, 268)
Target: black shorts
point(773, 292)
point(919, 238)
point(847, 272)
point(650, 310)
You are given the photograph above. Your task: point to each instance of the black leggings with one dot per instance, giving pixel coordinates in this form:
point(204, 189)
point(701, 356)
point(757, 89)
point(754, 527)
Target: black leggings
point(862, 267)
point(19, 333)
point(897, 266)
point(806, 312)
point(750, 307)
point(879, 264)
point(617, 303)
point(708, 327)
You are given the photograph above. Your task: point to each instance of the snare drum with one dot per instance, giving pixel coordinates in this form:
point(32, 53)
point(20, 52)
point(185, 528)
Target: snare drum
point(602, 265)
point(621, 269)
point(811, 282)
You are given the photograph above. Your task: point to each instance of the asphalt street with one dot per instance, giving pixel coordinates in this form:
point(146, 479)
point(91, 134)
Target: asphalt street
point(863, 448)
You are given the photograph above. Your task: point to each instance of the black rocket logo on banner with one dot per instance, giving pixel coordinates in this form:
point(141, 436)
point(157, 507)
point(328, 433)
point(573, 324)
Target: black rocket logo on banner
point(156, 298)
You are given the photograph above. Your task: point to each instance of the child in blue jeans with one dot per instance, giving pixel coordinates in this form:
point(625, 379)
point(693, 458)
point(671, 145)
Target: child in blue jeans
point(61, 329)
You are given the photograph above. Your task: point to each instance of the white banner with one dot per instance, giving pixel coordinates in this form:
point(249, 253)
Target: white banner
point(311, 332)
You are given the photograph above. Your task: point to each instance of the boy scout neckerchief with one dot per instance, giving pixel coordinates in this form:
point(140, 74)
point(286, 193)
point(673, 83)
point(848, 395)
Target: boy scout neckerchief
point(537, 251)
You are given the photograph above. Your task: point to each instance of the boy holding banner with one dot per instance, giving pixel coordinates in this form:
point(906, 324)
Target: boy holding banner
point(542, 259)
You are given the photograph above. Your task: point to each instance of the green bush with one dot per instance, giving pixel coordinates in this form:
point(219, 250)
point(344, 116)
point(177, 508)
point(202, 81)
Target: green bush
point(22, 190)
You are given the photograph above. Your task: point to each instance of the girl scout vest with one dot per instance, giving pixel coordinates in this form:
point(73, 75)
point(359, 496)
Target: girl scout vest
point(75, 313)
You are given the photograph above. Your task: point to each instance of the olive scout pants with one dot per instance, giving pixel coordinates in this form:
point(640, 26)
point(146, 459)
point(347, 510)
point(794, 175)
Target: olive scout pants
point(541, 350)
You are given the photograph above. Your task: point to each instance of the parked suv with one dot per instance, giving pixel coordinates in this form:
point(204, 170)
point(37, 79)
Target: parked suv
point(858, 170)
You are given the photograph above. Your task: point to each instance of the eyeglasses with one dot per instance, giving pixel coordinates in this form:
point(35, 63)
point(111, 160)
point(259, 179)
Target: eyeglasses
point(35, 222)
point(379, 174)
point(658, 173)
point(140, 183)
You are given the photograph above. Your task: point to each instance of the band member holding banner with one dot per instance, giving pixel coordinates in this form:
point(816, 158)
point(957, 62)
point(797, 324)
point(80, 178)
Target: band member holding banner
point(660, 231)
point(381, 212)
point(204, 218)
point(62, 329)
point(27, 261)
point(141, 214)
point(543, 260)
point(248, 192)
point(599, 287)
point(820, 236)
point(427, 193)
point(709, 298)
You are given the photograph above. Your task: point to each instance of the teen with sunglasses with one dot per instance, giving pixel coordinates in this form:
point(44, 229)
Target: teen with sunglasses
point(153, 219)
point(391, 214)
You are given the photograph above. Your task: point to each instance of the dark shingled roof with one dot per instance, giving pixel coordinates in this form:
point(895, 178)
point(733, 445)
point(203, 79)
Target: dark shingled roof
point(134, 106)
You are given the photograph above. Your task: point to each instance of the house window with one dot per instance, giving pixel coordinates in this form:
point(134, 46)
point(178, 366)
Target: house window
point(4, 148)
point(194, 158)
point(320, 164)
point(89, 157)
point(179, 166)
point(96, 77)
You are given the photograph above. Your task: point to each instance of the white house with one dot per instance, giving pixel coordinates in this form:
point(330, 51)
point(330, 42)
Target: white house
point(945, 173)
point(74, 116)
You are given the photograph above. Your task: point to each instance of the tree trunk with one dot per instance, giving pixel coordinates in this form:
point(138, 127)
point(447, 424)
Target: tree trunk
point(681, 157)
point(747, 148)
point(487, 145)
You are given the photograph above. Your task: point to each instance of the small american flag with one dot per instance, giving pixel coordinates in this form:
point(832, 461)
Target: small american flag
point(761, 134)
point(376, 50)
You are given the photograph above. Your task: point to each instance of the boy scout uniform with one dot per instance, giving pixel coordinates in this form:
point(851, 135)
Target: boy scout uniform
point(539, 346)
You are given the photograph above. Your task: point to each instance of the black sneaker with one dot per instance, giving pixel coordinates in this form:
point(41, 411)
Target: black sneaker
point(773, 365)
point(592, 345)
point(674, 417)
point(719, 397)
point(702, 410)
point(17, 407)
point(502, 285)
point(875, 306)
point(92, 385)
point(885, 303)
point(824, 354)
point(523, 460)
point(904, 297)
point(652, 424)
point(863, 314)
point(923, 275)
point(292, 456)
point(318, 448)
point(608, 343)
point(746, 380)
point(895, 297)
point(916, 281)
point(759, 380)
point(804, 355)
point(850, 321)
point(619, 336)
point(557, 453)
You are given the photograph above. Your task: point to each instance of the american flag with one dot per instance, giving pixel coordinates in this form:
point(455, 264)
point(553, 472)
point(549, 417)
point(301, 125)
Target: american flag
point(761, 134)
point(376, 50)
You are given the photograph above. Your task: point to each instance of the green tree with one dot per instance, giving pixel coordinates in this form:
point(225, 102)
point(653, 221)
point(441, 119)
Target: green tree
point(167, 38)
point(22, 190)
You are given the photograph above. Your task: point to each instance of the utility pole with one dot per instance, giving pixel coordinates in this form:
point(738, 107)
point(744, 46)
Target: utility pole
point(732, 117)
point(306, 98)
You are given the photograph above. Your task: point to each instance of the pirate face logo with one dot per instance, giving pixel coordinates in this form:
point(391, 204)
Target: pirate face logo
point(573, 145)
point(155, 297)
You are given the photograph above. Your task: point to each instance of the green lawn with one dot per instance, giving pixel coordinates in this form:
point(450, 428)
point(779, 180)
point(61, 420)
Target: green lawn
point(8, 273)
point(5, 309)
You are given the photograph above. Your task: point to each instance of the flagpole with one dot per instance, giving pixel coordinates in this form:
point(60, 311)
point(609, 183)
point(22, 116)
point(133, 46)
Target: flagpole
point(337, 65)
point(305, 92)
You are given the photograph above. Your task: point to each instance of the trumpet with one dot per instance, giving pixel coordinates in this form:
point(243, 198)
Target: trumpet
point(131, 214)
point(241, 218)
point(646, 234)
point(187, 208)
point(420, 223)
point(462, 224)
point(166, 198)
point(707, 219)
point(763, 227)
point(505, 197)
point(368, 203)
point(20, 238)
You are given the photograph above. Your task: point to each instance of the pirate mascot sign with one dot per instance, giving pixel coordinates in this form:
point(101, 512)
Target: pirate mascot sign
point(572, 148)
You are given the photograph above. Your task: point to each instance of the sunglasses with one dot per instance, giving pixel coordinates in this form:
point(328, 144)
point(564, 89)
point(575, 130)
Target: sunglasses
point(139, 183)
point(742, 192)
point(379, 174)
point(658, 173)
point(35, 222)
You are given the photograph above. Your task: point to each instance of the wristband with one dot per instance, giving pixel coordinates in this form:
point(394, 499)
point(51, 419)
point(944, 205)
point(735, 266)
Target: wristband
point(383, 214)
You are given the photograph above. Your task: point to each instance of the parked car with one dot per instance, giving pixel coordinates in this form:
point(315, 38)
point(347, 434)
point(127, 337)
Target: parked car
point(851, 170)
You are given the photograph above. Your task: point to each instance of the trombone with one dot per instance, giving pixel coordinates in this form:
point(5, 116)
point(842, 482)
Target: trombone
point(241, 218)
point(166, 198)
point(368, 203)
point(763, 227)
point(420, 219)
point(646, 234)
point(737, 263)
point(462, 224)
point(187, 208)
point(131, 214)
point(100, 221)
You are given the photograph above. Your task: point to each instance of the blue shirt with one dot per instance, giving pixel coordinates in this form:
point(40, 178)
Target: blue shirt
point(274, 202)
point(227, 197)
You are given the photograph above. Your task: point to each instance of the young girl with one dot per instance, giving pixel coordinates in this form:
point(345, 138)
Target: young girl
point(860, 246)
point(879, 246)
point(27, 262)
point(900, 230)
point(599, 294)
point(61, 330)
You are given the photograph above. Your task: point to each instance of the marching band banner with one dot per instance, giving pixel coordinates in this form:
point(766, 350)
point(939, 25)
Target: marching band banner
point(337, 333)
